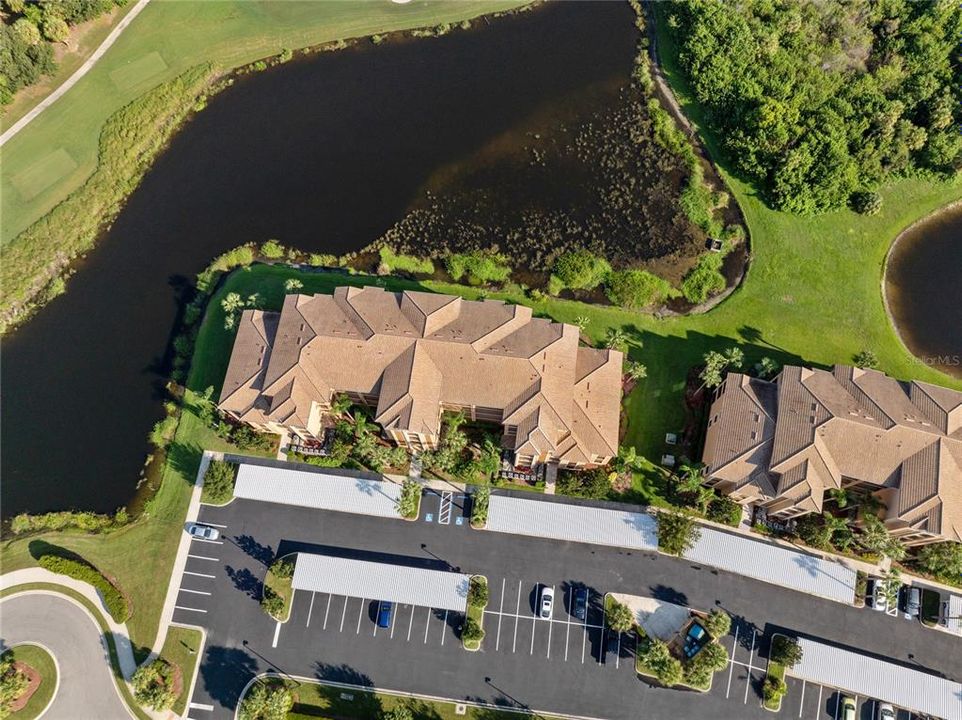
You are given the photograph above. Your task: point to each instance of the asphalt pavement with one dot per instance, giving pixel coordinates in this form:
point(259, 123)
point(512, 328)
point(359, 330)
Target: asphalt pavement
point(525, 662)
point(87, 690)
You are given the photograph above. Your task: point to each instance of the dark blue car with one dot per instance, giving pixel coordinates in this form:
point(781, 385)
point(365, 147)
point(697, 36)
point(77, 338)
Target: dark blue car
point(384, 614)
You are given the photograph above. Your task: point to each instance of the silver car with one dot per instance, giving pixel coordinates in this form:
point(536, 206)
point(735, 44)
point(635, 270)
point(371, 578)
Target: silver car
point(913, 602)
point(204, 532)
point(885, 711)
point(547, 602)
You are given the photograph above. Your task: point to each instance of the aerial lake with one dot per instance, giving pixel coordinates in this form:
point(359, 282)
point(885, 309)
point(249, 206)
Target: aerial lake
point(324, 153)
point(923, 286)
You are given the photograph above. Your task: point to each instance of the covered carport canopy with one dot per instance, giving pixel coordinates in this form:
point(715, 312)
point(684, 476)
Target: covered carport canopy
point(870, 677)
point(382, 581)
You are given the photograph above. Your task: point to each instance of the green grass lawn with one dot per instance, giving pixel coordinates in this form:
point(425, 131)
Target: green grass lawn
point(165, 40)
point(41, 661)
point(281, 586)
point(777, 671)
point(181, 648)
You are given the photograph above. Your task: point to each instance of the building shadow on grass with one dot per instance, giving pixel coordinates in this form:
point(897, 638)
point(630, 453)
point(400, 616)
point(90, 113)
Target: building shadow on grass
point(358, 701)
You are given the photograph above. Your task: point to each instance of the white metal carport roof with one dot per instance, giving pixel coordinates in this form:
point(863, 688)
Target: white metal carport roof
point(574, 523)
point(869, 677)
point(381, 581)
point(774, 564)
point(323, 491)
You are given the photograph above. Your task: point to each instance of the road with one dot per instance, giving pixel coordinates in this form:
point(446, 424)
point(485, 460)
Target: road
point(78, 74)
point(87, 688)
point(524, 662)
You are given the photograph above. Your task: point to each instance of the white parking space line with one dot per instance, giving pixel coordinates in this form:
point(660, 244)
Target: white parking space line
point(410, 623)
point(584, 637)
point(310, 610)
point(200, 706)
point(394, 622)
point(601, 645)
point(618, 653)
point(550, 625)
point(568, 629)
point(277, 634)
point(360, 612)
point(801, 702)
point(838, 701)
point(818, 705)
point(547, 620)
point(188, 572)
point(748, 678)
point(517, 619)
point(497, 640)
point(427, 626)
point(444, 627)
point(731, 664)
point(212, 542)
point(195, 592)
point(203, 557)
point(215, 525)
point(343, 613)
point(377, 613)
point(534, 624)
point(327, 611)
point(182, 607)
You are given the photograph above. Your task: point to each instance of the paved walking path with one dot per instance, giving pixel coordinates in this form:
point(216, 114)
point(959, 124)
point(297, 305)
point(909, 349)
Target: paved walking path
point(125, 653)
point(79, 73)
point(86, 686)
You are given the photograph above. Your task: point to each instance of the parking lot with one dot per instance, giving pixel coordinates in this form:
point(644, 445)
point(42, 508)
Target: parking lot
point(557, 664)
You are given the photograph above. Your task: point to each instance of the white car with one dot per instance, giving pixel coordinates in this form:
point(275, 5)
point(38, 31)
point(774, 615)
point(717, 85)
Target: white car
point(204, 532)
point(547, 602)
point(886, 711)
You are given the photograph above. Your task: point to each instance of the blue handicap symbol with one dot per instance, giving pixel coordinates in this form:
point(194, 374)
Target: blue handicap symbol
point(429, 517)
point(459, 521)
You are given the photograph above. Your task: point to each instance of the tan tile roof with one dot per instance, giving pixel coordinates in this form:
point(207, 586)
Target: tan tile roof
point(849, 423)
point(417, 351)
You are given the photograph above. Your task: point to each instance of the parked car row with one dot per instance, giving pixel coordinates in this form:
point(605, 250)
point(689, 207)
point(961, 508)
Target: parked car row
point(908, 599)
point(883, 710)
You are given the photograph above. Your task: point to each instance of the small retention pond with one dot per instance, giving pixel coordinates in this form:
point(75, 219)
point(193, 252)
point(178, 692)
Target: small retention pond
point(923, 286)
point(324, 154)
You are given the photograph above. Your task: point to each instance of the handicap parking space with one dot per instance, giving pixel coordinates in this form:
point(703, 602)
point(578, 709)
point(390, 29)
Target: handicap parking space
point(446, 508)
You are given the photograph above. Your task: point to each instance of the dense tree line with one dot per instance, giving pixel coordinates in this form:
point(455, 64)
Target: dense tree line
point(820, 102)
point(28, 32)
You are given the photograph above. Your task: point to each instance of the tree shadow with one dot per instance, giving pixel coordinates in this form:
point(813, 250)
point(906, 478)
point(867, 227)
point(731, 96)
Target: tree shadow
point(39, 548)
point(184, 458)
point(246, 581)
point(224, 673)
point(668, 594)
point(263, 554)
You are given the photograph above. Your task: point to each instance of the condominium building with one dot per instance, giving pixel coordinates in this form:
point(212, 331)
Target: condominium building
point(782, 444)
point(414, 355)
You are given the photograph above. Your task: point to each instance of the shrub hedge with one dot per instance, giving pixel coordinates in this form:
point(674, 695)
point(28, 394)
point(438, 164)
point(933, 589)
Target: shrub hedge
point(114, 600)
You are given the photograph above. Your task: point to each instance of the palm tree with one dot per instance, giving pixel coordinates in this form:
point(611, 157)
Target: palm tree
point(339, 404)
point(616, 339)
point(703, 497)
point(692, 476)
point(838, 530)
point(840, 496)
point(582, 321)
point(635, 370)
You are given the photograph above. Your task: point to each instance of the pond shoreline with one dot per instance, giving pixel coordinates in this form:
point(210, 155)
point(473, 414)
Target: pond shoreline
point(949, 209)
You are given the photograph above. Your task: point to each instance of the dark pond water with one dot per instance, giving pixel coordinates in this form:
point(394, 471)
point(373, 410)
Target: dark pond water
point(924, 288)
point(324, 154)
